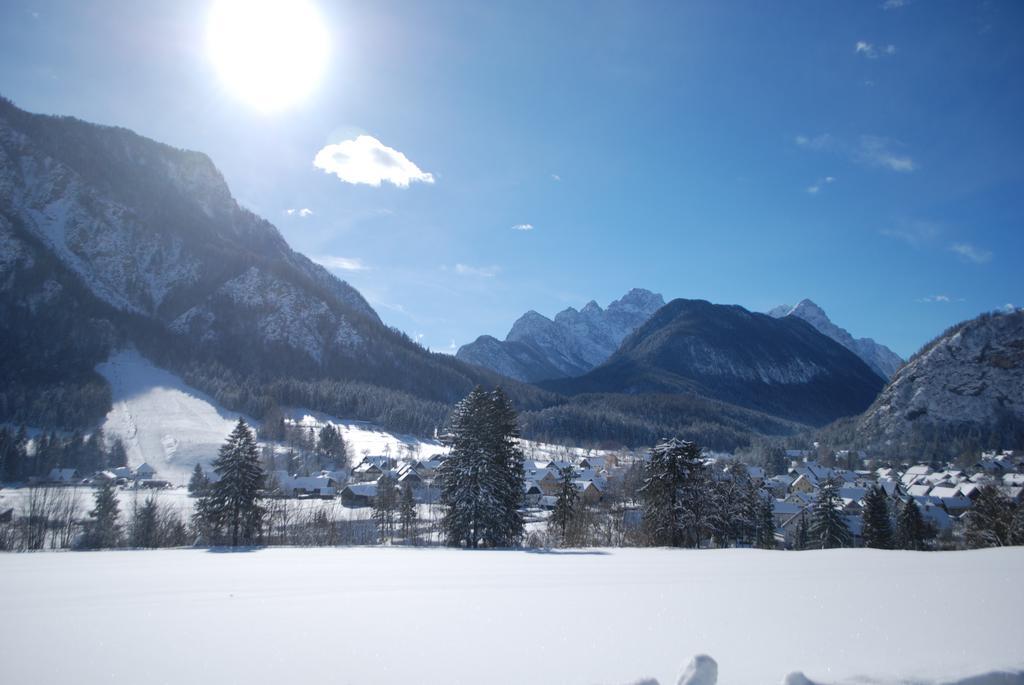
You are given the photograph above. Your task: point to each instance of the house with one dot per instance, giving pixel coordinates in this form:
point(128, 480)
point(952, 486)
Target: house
point(63, 476)
point(410, 477)
point(532, 494)
point(778, 486)
point(783, 511)
point(144, 472)
point(589, 491)
point(804, 485)
point(367, 471)
point(545, 479)
point(596, 463)
point(359, 494)
point(321, 485)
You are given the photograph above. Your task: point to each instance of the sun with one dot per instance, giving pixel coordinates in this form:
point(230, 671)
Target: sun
point(269, 53)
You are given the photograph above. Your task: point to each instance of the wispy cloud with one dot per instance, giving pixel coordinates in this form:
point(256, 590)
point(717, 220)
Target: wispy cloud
point(869, 150)
point(819, 184)
point(872, 51)
point(523, 227)
point(556, 177)
point(941, 299)
point(480, 271)
point(366, 160)
point(972, 253)
point(341, 263)
point(878, 151)
point(914, 233)
point(894, 4)
point(301, 213)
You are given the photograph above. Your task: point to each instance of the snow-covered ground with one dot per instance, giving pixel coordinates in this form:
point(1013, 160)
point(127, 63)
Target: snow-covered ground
point(399, 615)
point(172, 426)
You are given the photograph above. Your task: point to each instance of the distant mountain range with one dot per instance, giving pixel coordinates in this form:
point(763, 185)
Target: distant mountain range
point(879, 357)
point(109, 241)
point(538, 348)
point(780, 366)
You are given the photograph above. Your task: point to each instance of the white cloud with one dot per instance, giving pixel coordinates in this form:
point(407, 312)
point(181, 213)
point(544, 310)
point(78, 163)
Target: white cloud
point(301, 213)
point(914, 233)
point(819, 184)
point(823, 141)
point(341, 263)
point(877, 151)
point(556, 177)
point(523, 227)
point(894, 4)
point(943, 299)
point(482, 271)
point(1010, 308)
point(872, 51)
point(368, 161)
point(972, 253)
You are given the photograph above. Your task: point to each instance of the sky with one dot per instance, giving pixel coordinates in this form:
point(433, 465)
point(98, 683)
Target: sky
point(461, 163)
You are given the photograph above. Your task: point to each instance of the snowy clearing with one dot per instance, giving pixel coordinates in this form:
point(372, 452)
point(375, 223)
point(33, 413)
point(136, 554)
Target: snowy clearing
point(394, 615)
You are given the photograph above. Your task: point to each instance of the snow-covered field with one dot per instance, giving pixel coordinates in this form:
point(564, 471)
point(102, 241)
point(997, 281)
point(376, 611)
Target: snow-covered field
point(398, 615)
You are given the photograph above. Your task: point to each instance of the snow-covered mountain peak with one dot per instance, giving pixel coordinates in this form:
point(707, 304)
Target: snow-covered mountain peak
point(879, 357)
point(574, 342)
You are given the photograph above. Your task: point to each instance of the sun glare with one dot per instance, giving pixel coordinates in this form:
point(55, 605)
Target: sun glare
point(269, 53)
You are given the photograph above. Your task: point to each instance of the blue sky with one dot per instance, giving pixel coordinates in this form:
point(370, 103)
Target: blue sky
point(866, 155)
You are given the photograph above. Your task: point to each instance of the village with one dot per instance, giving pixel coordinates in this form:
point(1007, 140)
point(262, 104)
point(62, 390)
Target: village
point(608, 485)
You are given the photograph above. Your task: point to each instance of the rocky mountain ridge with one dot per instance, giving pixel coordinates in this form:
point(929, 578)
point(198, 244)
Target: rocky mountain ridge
point(575, 341)
point(879, 357)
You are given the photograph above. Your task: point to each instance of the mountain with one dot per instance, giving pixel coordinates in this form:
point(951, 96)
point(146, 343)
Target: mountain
point(779, 366)
point(879, 357)
point(962, 391)
point(110, 240)
point(537, 348)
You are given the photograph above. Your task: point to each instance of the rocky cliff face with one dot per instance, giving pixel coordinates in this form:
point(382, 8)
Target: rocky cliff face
point(879, 357)
point(538, 348)
point(969, 380)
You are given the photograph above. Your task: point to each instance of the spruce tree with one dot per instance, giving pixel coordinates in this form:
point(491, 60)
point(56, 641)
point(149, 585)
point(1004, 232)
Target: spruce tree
point(877, 526)
point(103, 529)
point(764, 520)
point(145, 525)
point(828, 527)
point(802, 537)
point(990, 519)
point(198, 483)
point(384, 505)
point(407, 514)
point(332, 446)
point(674, 495)
point(911, 530)
point(117, 455)
point(565, 503)
point(232, 503)
point(482, 478)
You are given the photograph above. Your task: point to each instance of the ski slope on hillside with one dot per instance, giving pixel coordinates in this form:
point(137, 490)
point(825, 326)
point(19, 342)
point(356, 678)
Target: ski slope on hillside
point(428, 615)
point(170, 425)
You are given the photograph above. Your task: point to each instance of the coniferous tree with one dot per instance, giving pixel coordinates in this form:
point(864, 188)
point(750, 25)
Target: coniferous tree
point(877, 525)
point(990, 519)
point(802, 537)
point(912, 532)
point(482, 479)
point(231, 504)
point(103, 529)
point(407, 514)
point(144, 527)
point(828, 527)
point(198, 483)
point(565, 503)
point(674, 494)
point(117, 455)
point(764, 519)
point(384, 506)
point(332, 446)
